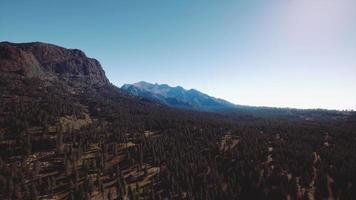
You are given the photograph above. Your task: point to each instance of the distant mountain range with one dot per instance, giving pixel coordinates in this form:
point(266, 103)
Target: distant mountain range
point(177, 97)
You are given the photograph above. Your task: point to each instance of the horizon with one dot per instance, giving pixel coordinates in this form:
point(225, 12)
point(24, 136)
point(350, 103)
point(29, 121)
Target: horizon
point(284, 54)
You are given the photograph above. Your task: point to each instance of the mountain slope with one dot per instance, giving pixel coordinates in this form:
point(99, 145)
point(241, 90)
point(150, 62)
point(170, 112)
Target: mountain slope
point(177, 97)
point(41, 83)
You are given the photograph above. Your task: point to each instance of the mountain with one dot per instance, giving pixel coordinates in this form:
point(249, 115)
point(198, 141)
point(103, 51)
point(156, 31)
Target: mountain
point(177, 97)
point(44, 85)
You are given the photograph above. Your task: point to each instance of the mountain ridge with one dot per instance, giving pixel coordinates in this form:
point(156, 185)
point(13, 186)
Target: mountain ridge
point(177, 97)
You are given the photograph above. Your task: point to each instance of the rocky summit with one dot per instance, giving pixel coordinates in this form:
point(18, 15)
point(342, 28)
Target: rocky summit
point(47, 61)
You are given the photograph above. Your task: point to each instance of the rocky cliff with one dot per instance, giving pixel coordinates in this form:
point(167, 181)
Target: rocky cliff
point(48, 61)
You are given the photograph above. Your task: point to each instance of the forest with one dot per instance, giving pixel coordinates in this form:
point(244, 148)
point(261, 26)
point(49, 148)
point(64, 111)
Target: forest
point(57, 142)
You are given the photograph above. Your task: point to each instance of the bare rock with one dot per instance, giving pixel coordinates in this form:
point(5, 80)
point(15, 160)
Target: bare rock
point(46, 60)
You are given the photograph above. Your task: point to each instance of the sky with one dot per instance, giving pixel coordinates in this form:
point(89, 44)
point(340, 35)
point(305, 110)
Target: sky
point(280, 53)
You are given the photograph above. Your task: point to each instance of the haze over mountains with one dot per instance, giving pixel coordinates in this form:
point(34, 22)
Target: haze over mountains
point(177, 97)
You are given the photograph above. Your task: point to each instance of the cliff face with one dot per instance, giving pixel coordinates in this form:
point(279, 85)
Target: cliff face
point(47, 61)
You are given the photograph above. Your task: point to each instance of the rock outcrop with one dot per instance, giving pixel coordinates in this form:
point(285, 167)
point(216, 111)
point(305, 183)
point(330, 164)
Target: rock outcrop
point(50, 61)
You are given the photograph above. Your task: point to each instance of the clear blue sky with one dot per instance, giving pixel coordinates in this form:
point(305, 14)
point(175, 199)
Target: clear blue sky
point(285, 53)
